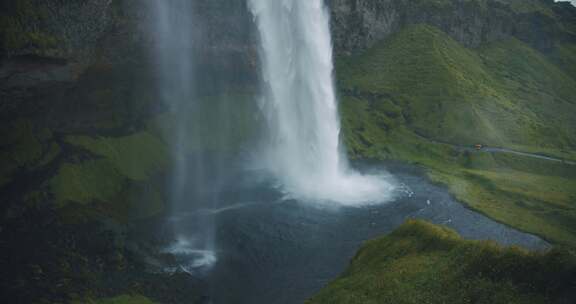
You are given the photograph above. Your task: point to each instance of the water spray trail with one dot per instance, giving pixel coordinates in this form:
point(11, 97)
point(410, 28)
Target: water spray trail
point(303, 149)
point(172, 27)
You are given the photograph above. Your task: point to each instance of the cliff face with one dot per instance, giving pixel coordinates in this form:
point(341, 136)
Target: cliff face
point(81, 34)
point(77, 103)
point(76, 35)
point(359, 24)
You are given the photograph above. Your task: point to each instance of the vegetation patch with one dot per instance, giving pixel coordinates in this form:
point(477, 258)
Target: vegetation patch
point(117, 180)
point(136, 156)
point(19, 28)
point(423, 98)
point(125, 299)
point(86, 182)
point(23, 147)
point(424, 263)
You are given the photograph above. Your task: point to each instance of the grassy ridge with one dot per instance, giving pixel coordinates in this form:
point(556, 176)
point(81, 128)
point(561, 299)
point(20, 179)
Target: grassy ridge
point(424, 263)
point(124, 299)
point(502, 94)
point(421, 97)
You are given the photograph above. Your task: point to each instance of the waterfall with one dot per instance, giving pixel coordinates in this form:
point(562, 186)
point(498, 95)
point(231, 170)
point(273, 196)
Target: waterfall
point(172, 28)
point(303, 149)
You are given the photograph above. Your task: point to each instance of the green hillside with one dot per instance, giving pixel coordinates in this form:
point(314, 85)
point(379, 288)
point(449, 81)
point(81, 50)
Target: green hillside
point(422, 97)
point(423, 263)
point(504, 94)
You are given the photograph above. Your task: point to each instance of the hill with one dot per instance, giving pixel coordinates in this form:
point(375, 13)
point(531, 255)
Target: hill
point(420, 96)
point(424, 263)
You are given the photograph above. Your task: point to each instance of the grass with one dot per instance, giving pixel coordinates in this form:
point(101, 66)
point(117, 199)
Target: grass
point(137, 156)
point(564, 56)
point(117, 176)
point(19, 28)
point(423, 263)
point(86, 182)
point(117, 180)
point(95, 189)
point(124, 299)
point(420, 97)
point(505, 93)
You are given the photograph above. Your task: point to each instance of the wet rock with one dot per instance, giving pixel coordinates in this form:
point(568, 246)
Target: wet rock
point(359, 24)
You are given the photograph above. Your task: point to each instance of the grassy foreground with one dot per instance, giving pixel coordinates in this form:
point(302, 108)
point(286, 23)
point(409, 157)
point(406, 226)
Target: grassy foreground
point(422, 97)
point(423, 263)
point(124, 299)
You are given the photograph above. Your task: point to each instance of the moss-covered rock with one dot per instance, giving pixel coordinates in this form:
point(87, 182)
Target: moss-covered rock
point(24, 147)
point(54, 29)
point(138, 156)
point(124, 299)
point(360, 24)
point(86, 182)
point(423, 263)
point(120, 173)
point(17, 31)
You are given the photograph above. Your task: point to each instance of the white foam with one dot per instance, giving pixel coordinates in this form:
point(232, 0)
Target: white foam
point(303, 149)
point(191, 257)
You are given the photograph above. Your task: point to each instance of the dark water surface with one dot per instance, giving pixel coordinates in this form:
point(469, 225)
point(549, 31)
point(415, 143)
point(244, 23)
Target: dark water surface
point(274, 250)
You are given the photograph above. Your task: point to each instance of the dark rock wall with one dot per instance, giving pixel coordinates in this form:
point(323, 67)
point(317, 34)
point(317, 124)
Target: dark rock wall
point(83, 33)
point(359, 24)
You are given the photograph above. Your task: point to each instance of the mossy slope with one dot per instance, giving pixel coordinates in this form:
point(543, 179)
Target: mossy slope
point(119, 172)
point(15, 32)
point(422, 97)
point(125, 299)
point(504, 94)
point(424, 263)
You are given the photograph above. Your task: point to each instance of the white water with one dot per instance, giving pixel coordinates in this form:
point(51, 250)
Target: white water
point(172, 27)
point(303, 151)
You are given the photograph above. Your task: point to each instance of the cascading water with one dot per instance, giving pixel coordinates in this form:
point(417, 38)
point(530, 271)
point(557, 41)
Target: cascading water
point(303, 151)
point(272, 252)
point(172, 27)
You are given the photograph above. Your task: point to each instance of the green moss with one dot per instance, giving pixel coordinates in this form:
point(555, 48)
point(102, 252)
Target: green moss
point(500, 93)
point(117, 182)
point(124, 299)
point(542, 94)
point(538, 204)
point(421, 97)
point(137, 156)
point(493, 184)
point(426, 72)
point(565, 56)
point(86, 182)
point(20, 28)
point(21, 147)
point(424, 263)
